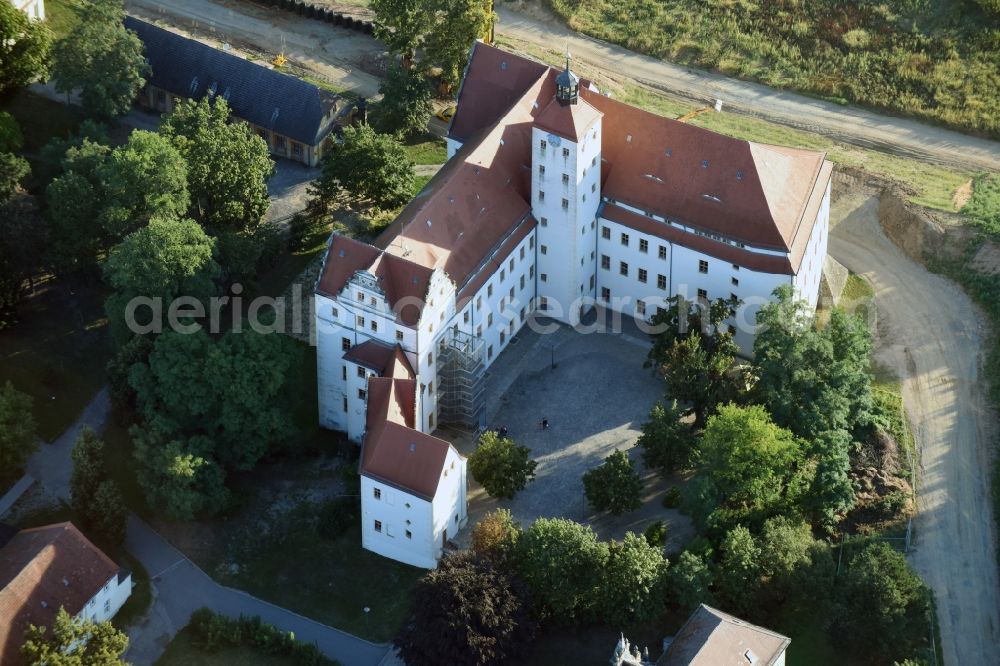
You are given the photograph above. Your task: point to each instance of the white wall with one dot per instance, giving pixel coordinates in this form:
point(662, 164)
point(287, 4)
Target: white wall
point(807, 280)
point(450, 504)
point(566, 236)
point(453, 146)
point(628, 286)
point(108, 601)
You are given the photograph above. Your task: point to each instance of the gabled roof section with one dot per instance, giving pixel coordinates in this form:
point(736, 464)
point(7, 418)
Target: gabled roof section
point(467, 210)
point(752, 193)
point(403, 282)
point(494, 81)
point(570, 121)
point(380, 357)
point(267, 98)
point(713, 638)
point(42, 569)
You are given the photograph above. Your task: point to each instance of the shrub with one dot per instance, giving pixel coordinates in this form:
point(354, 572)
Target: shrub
point(672, 498)
point(656, 534)
point(615, 486)
point(213, 631)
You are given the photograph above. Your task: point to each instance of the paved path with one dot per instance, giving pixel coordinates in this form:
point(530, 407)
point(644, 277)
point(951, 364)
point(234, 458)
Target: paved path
point(933, 336)
point(15, 492)
point(178, 586)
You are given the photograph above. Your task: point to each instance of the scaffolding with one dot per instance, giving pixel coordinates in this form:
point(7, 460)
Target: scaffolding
point(461, 375)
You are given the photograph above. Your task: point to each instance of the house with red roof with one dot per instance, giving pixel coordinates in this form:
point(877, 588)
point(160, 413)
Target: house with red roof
point(45, 568)
point(556, 200)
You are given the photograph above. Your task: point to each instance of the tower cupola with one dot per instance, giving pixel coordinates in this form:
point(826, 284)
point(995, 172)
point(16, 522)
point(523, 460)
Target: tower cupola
point(567, 85)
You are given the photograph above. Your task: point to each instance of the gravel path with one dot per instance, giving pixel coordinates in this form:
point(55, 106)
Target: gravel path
point(933, 336)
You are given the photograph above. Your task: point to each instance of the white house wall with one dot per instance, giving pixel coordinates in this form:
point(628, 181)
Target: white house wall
point(450, 505)
point(811, 269)
point(398, 511)
point(453, 146)
point(108, 601)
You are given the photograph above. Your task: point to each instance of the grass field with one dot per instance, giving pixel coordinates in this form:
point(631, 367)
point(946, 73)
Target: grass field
point(426, 150)
point(932, 59)
point(183, 651)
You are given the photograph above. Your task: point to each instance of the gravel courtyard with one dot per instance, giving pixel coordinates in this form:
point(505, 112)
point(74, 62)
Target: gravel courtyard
point(596, 399)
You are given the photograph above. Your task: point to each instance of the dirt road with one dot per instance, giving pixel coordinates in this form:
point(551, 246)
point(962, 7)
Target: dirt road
point(933, 335)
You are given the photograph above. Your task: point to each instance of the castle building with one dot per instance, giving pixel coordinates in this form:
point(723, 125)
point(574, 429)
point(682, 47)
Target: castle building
point(555, 199)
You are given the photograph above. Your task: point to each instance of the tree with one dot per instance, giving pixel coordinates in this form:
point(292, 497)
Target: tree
point(102, 60)
point(74, 207)
point(96, 499)
point(401, 25)
point(144, 178)
point(17, 428)
point(667, 443)
point(164, 260)
point(884, 606)
point(634, 585)
point(496, 536)
point(799, 568)
point(74, 642)
point(11, 138)
point(615, 486)
point(737, 578)
point(50, 161)
point(562, 564)
point(688, 580)
point(228, 165)
point(406, 103)
point(24, 49)
point(366, 165)
point(501, 466)
point(465, 612)
point(832, 492)
point(110, 515)
point(23, 237)
point(13, 170)
point(749, 469)
point(459, 23)
point(178, 477)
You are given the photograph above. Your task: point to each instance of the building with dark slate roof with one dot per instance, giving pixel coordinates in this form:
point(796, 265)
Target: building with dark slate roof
point(293, 116)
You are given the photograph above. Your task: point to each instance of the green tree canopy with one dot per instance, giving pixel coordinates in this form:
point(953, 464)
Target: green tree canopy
point(74, 203)
point(749, 469)
point(23, 237)
point(24, 49)
point(13, 170)
point(501, 466)
point(562, 564)
point(799, 568)
point(458, 24)
point(884, 606)
point(402, 24)
point(101, 59)
point(634, 585)
point(228, 165)
point(689, 580)
point(614, 486)
point(466, 612)
point(94, 497)
point(496, 535)
point(11, 138)
point(142, 179)
point(737, 577)
point(179, 477)
point(366, 165)
point(73, 642)
point(667, 443)
point(18, 438)
point(406, 103)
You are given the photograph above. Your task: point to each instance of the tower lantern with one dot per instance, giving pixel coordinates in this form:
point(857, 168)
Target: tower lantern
point(567, 85)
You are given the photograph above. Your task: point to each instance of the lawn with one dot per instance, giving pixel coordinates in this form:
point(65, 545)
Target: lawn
point(56, 350)
point(182, 651)
point(426, 149)
point(933, 60)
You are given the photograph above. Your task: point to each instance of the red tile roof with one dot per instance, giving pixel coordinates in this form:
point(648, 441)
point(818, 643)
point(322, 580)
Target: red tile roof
point(380, 357)
point(42, 569)
point(570, 121)
point(713, 638)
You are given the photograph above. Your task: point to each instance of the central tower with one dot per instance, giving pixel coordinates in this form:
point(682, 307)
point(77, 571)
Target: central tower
point(565, 194)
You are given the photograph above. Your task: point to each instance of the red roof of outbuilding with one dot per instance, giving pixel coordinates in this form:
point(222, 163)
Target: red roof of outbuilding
point(42, 569)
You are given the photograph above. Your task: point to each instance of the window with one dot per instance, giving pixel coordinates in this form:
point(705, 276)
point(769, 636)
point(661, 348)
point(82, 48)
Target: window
point(661, 282)
point(565, 204)
point(593, 161)
point(409, 534)
point(503, 337)
point(544, 277)
point(362, 394)
point(736, 267)
point(605, 262)
point(733, 297)
point(430, 358)
point(522, 252)
point(430, 388)
point(510, 294)
point(606, 233)
point(605, 294)
point(522, 282)
point(640, 307)
point(378, 525)
point(541, 195)
point(107, 605)
point(531, 272)
point(345, 403)
point(489, 319)
point(279, 141)
point(625, 240)
point(343, 372)
point(663, 252)
point(503, 274)
point(544, 249)
point(510, 265)
point(702, 294)
point(399, 336)
point(531, 243)
point(623, 268)
point(377, 492)
point(543, 145)
point(489, 290)
point(643, 245)
point(489, 352)
point(592, 281)
point(702, 266)
point(642, 275)
point(479, 303)
point(735, 281)
point(465, 317)
point(565, 153)
point(361, 321)
point(361, 372)
point(479, 331)
point(361, 297)
point(374, 325)
point(541, 169)
point(334, 313)
point(565, 179)
point(345, 344)
point(296, 149)
point(593, 187)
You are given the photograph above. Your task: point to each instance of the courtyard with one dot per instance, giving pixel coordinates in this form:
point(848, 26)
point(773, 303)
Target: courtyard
point(594, 392)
